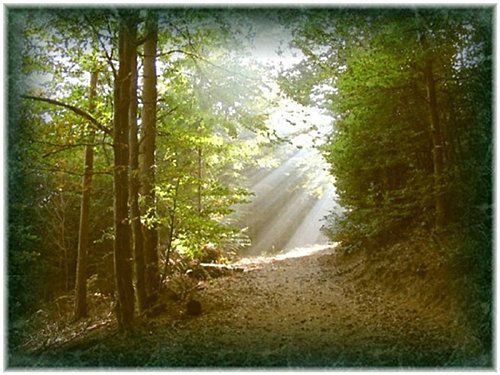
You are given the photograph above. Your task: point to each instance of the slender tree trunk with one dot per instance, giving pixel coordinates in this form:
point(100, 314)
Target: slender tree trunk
point(438, 146)
point(83, 234)
point(148, 153)
point(63, 244)
point(199, 157)
point(172, 228)
point(135, 215)
point(200, 175)
point(122, 248)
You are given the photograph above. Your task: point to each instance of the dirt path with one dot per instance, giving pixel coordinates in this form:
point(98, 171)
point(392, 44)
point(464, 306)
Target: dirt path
point(285, 312)
point(299, 312)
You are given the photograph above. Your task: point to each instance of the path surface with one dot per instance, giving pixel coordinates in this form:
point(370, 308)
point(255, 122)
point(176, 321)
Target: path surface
point(284, 312)
point(296, 311)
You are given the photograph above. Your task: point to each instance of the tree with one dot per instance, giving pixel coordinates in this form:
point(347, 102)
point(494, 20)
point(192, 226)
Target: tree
point(121, 128)
point(83, 233)
point(438, 150)
point(148, 147)
point(386, 76)
point(73, 134)
point(135, 214)
point(199, 143)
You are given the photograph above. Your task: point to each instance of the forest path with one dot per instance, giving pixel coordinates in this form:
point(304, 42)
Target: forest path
point(294, 310)
point(298, 310)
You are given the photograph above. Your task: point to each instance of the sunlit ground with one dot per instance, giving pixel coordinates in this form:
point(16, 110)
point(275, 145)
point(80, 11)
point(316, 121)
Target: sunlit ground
point(287, 254)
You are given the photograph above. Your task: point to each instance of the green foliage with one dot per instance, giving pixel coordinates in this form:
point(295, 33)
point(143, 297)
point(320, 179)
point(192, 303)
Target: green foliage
point(381, 152)
point(24, 241)
point(211, 125)
point(202, 153)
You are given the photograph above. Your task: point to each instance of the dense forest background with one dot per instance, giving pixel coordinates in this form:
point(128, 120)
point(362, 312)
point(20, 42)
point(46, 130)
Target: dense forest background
point(133, 135)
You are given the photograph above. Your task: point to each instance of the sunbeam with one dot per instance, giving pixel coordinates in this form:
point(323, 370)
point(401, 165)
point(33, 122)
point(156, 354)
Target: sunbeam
point(291, 200)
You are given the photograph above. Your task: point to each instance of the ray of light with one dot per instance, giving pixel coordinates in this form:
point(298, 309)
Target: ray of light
point(308, 233)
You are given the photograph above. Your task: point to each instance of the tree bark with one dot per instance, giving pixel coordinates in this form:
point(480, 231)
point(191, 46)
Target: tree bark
point(438, 152)
point(438, 145)
point(63, 243)
point(171, 228)
point(135, 215)
point(200, 175)
point(83, 234)
point(122, 248)
point(148, 154)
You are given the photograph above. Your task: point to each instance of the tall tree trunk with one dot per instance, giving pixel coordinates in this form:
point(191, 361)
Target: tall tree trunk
point(122, 248)
point(438, 145)
point(83, 233)
point(135, 215)
point(438, 152)
point(148, 153)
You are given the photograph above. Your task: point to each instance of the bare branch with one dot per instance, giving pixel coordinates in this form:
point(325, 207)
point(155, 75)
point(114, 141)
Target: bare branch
point(76, 110)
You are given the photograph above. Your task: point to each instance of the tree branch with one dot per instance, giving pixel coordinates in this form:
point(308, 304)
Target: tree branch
point(178, 50)
point(109, 57)
point(142, 39)
point(61, 148)
point(76, 110)
point(50, 168)
point(52, 144)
